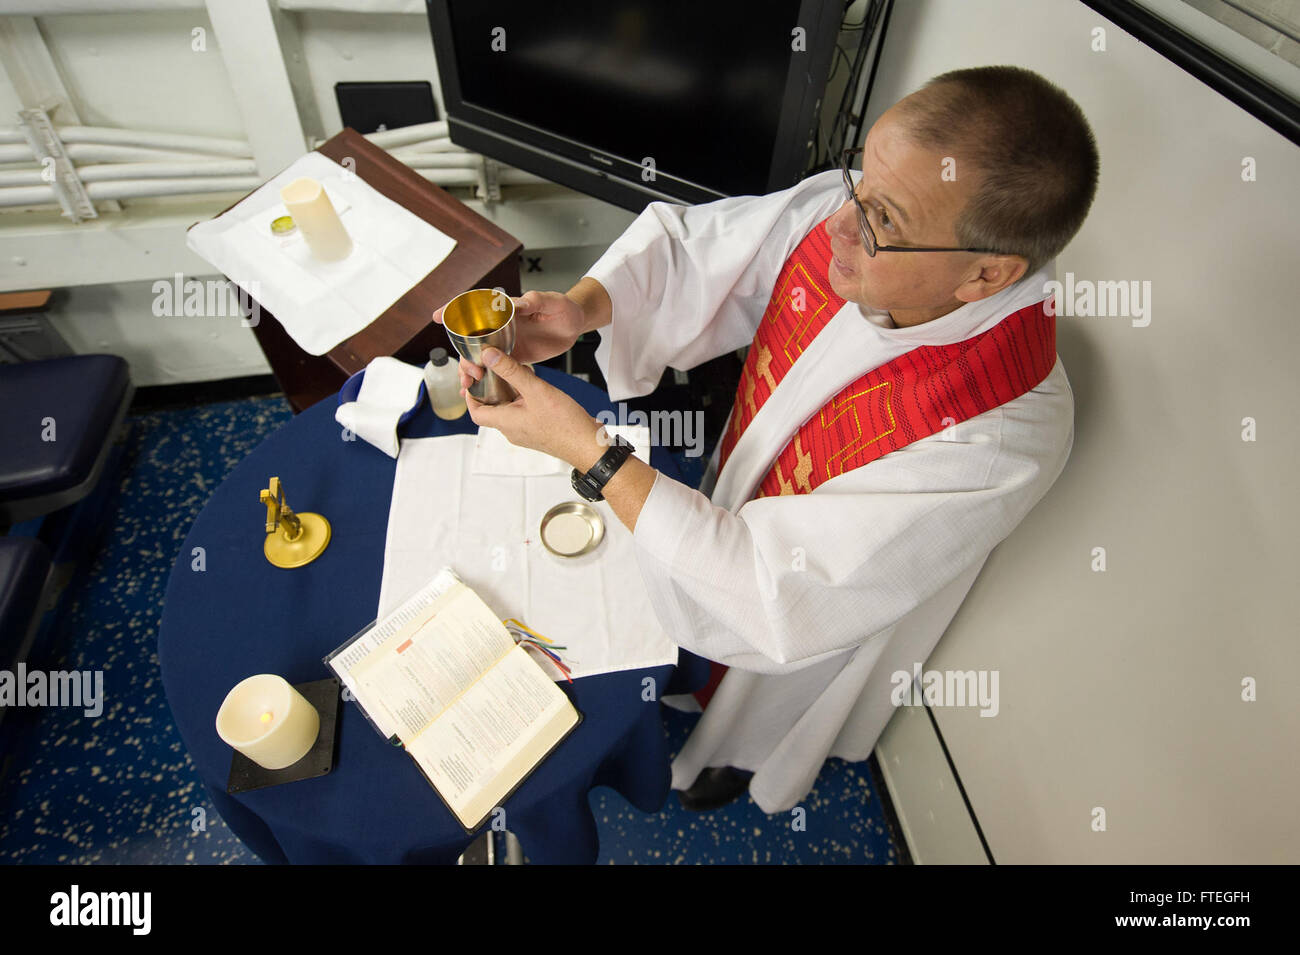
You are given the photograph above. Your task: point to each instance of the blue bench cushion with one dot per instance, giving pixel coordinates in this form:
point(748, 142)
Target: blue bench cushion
point(83, 395)
point(24, 565)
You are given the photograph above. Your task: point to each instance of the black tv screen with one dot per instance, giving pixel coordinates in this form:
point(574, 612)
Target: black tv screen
point(722, 97)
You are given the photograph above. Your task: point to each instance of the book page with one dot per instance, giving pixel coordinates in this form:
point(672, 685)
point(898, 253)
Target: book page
point(476, 752)
point(345, 659)
point(414, 675)
point(411, 613)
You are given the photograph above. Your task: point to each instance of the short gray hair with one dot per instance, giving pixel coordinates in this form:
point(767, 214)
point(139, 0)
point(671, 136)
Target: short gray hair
point(1031, 147)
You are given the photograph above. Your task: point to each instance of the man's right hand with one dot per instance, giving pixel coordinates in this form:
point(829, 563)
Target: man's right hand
point(546, 324)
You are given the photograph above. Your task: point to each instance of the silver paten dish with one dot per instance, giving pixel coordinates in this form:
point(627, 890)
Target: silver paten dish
point(551, 538)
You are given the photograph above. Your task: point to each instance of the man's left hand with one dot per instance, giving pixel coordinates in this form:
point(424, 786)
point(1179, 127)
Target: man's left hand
point(542, 417)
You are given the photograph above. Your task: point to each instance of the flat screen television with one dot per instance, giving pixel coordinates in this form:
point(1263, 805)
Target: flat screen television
point(637, 100)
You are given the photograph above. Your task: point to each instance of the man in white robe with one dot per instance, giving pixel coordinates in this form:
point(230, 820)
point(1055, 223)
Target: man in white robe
point(815, 600)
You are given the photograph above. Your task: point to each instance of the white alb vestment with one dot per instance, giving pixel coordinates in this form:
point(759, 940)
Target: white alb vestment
point(889, 550)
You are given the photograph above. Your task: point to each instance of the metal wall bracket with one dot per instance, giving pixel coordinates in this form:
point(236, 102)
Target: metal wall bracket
point(48, 150)
point(489, 189)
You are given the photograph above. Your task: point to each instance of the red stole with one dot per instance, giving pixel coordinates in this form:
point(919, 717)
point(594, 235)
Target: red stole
point(914, 396)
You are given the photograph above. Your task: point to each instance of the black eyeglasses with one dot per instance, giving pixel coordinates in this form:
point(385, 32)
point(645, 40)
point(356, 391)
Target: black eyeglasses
point(864, 227)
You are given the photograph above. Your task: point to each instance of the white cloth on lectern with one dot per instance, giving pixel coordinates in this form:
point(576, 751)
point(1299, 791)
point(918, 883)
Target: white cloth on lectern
point(321, 304)
point(888, 551)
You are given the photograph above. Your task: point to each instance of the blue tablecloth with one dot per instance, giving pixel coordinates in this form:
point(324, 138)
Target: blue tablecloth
point(232, 614)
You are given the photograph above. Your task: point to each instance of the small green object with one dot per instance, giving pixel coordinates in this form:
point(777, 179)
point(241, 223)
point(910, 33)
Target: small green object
point(283, 226)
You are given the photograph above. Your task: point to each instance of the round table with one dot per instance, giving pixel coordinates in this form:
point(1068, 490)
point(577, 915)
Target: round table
point(229, 614)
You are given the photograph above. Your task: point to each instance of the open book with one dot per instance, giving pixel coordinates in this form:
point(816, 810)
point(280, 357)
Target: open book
point(444, 677)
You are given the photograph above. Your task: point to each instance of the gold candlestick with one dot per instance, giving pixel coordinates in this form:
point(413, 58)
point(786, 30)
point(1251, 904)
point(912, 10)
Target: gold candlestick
point(292, 540)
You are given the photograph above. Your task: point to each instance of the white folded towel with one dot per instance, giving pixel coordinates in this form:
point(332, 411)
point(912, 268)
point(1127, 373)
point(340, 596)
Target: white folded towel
point(389, 389)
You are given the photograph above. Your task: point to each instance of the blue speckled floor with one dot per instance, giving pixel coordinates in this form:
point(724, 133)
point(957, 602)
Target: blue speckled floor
point(843, 823)
point(121, 789)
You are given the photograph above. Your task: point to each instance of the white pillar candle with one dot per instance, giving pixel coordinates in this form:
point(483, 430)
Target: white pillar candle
point(268, 721)
point(315, 217)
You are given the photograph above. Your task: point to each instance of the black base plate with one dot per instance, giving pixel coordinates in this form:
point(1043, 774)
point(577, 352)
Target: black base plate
point(246, 775)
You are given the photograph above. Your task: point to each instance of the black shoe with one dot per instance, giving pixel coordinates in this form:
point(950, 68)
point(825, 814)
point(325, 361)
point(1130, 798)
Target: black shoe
point(715, 787)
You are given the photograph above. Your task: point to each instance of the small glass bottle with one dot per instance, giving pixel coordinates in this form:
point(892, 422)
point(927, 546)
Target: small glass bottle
point(442, 381)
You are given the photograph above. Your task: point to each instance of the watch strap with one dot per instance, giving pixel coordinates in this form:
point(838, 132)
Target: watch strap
point(594, 481)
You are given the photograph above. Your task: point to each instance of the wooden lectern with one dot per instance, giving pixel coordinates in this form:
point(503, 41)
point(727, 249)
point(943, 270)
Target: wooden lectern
point(485, 257)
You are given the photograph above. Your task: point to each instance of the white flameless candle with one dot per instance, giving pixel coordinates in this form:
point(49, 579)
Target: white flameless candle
point(315, 217)
point(268, 721)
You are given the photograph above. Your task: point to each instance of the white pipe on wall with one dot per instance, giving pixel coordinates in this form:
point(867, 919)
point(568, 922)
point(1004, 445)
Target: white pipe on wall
point(180, 142)
point(408, 134)
point(439, 160)
point(167, 170)
point(44, 195)
point(236, 148)
point(94, 152)
point(101, 144)
point(45, 8)
point(21, 153)
point(466, 177)
point(137, 170)
point(131, 164)
point(354, 6)
point(171, 187)
point(443, 145)
point(425, 137)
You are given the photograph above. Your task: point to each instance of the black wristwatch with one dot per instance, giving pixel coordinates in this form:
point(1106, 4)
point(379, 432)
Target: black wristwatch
point(589, 485)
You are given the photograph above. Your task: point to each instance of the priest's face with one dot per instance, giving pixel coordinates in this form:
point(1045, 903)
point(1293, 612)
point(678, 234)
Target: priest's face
point(908, 203)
